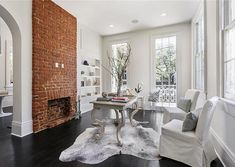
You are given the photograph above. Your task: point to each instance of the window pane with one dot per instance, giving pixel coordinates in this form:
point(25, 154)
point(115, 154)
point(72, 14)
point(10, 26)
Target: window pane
point(165, 68)
point(197, 37)
point(165, 42)
point(230, 77)
point(229, 49)
point(232, 10)
point(158, 44)
point(115, 48)
point(230, 43)
point(199, 54)
point(172, 41)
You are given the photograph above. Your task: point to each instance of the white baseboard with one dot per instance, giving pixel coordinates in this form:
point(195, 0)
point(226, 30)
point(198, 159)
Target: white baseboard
point(21, 129)
point(226, 156)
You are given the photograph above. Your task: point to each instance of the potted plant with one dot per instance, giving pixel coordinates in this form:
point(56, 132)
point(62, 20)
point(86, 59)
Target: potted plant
point(139, 88)
point(118, 64)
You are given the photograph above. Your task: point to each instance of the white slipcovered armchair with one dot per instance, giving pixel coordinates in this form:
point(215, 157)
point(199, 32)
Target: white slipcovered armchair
point(194, 147)
point(171, 113)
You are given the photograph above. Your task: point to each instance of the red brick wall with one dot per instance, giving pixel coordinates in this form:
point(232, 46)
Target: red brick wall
point(54, 41)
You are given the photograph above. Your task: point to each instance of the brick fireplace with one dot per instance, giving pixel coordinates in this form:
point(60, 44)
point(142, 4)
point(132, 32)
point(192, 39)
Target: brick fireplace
point(54, 65)
point(57, 109)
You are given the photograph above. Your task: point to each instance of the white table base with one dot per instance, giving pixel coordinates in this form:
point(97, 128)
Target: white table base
point(119, 108)
point(2, 114)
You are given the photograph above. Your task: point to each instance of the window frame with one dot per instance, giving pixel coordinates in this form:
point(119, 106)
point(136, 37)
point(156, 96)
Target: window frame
point(225, 24)
point(203, 55)
point(152, 59)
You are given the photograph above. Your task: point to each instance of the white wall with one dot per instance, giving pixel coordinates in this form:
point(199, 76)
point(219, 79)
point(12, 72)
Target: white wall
point(21, 13)
point(140, 62)
point(212, 49)
point(199, 13)
point(89, 47)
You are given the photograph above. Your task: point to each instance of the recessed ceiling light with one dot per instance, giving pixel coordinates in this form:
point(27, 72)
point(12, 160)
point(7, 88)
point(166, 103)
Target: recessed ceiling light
point(135, 21)
point(111, 26)
point(163, 14)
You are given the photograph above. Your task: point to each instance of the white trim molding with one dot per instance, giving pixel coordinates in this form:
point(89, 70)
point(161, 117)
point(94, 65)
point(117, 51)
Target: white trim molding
point(21, 129)
point(229, 105)
point(200, 14)
point(226, 156)
point(222, 130)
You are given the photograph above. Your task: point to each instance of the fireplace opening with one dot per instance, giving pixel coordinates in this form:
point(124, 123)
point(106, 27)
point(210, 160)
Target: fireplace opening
point(58, 109)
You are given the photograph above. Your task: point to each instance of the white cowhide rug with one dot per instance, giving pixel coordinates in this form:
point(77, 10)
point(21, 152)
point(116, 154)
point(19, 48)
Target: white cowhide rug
point(137, 141)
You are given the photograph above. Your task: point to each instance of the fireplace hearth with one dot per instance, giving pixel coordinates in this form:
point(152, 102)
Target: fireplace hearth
point(58, 109)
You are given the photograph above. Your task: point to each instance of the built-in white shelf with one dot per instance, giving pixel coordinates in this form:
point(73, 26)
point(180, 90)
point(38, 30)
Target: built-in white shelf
point(87, 97)
point(90, 87)
point(89, 66)
point(87, 76)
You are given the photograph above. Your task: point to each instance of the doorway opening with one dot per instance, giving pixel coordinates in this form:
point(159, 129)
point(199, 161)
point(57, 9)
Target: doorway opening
point(165, 69)
point(19, 128)
point(6, 77)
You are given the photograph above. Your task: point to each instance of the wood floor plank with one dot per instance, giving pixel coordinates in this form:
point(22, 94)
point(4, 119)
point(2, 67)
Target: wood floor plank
point(43, 149)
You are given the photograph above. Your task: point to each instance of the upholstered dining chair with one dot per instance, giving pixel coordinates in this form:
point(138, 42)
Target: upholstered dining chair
point(194, 147)
point(171, 113)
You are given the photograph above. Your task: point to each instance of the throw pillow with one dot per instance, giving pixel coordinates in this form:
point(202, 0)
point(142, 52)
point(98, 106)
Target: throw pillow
point(184, 104)
point(190, 122)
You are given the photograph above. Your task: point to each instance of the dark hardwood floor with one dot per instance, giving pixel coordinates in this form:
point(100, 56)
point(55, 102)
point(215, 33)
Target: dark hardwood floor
point(43, 149)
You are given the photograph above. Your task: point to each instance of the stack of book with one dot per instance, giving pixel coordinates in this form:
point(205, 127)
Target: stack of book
point(104, 99)
point(3, 92)
point(120, 99)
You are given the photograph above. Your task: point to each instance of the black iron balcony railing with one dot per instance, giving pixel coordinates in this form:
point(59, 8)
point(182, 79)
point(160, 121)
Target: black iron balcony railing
point(165, 93)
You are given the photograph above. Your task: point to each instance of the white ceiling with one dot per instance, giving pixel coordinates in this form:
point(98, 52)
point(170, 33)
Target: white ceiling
point(99, 14)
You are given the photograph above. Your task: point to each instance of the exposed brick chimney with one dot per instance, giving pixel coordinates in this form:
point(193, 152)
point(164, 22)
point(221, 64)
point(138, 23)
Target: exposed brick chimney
point(54, 41)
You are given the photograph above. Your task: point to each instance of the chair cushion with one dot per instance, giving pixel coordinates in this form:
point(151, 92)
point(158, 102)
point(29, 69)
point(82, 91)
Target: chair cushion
point(174, 129)
point(184, 104)
point(190, 122)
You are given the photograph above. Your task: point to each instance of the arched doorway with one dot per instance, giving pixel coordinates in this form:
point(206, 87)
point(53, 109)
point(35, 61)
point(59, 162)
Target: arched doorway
point(6, 74)
point(17, 91)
